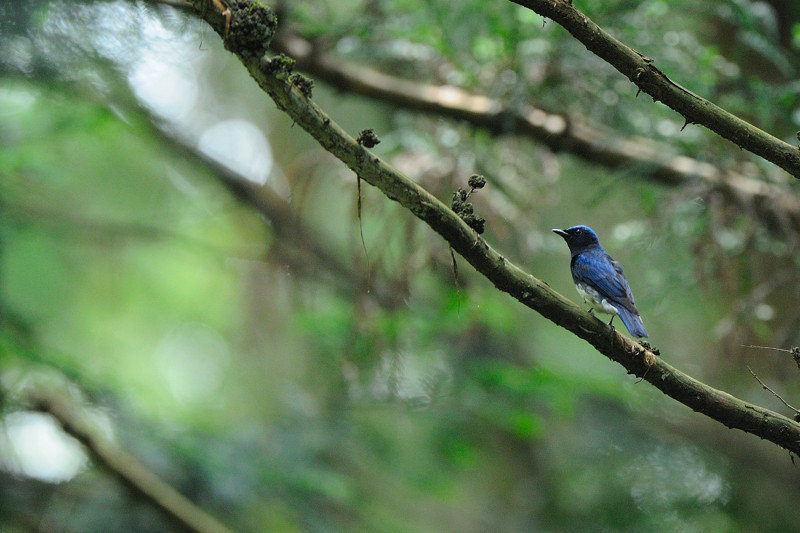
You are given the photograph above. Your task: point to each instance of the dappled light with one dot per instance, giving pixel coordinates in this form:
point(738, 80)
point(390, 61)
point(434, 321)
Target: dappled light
point(169, 90)
point(193, 360)
point(240, 146)
point(33, 445)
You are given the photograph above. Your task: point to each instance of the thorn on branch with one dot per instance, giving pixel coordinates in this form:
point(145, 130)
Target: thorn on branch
point(367, 138)
point(644, 58)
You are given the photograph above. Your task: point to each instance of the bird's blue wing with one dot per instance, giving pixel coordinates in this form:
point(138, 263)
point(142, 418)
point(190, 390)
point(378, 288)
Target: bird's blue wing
point(597, 270)
point(602, 273)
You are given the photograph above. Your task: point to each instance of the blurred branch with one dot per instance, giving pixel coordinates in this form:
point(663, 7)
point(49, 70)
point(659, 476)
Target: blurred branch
point(642, 71)
point(295, 245)
point(292, 95)
point(560, 133)
point(124, 466)
point(591, 142)
point(776, 205)
point(68, 225)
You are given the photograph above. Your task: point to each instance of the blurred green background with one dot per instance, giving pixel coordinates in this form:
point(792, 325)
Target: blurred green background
point(187, 267)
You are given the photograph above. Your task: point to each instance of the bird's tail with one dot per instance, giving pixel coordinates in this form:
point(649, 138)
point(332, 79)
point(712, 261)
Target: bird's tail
point(633, 322)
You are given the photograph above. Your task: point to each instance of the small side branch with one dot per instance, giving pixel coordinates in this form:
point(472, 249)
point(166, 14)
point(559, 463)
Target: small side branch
point(784, 402)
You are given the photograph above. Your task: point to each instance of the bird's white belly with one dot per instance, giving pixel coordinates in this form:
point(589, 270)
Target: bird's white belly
point(593, 298)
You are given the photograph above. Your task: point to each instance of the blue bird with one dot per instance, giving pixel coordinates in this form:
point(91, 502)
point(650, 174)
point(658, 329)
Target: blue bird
point(599, 278)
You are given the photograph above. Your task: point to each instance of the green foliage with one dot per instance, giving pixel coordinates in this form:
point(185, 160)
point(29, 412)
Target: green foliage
point(295, 380)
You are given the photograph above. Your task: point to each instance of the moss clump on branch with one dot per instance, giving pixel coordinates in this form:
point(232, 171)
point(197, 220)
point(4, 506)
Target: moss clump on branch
point(252, 28)
point(367, 138)
point(465, 209)
point(281, 65)
point(304, 84)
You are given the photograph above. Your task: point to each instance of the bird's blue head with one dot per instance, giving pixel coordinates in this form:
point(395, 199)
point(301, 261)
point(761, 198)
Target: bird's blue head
point(578, 237)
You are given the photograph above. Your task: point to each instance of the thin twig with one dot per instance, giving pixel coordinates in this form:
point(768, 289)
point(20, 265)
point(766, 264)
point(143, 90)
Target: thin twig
point(796, 411)
point(795, 351)
point(766, 348)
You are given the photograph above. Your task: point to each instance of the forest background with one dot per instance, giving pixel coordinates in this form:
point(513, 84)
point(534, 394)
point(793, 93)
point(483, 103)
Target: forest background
point(196, 290)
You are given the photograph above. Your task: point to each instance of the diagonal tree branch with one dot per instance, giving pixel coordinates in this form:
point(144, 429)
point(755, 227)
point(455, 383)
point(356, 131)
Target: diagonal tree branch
point(292, 95)
point(641, 71)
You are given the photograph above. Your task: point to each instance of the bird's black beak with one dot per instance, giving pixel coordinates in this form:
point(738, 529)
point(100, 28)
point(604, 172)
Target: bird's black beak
point(561, 232)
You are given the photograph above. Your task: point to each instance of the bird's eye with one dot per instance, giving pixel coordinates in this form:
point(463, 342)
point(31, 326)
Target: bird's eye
point(578, 231)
